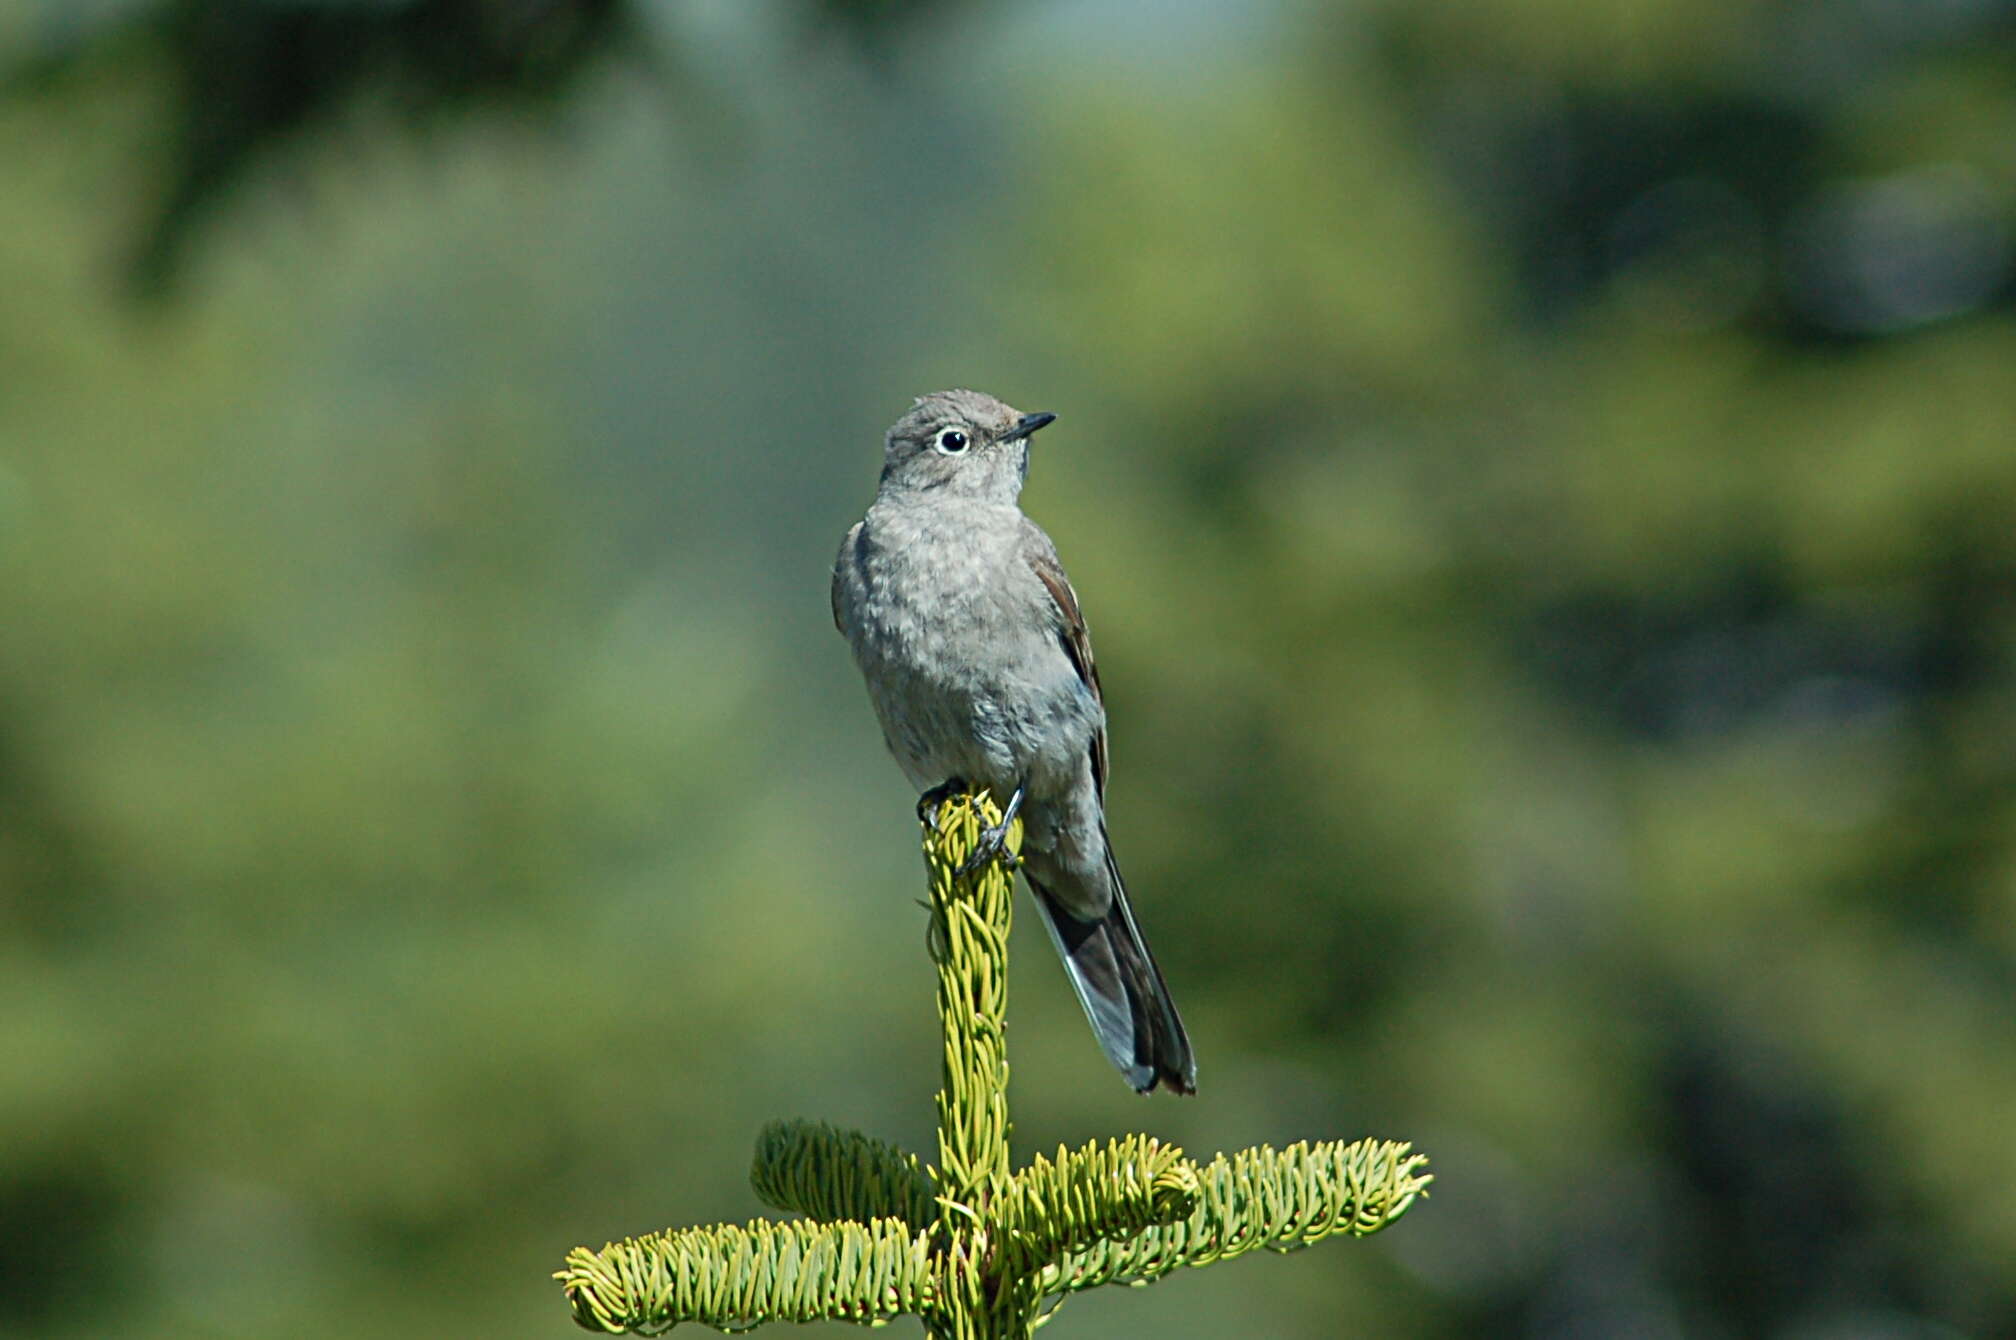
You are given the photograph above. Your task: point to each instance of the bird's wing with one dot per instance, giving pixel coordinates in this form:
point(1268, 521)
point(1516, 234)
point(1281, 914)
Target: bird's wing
point(1071, 634)
point(846, 552)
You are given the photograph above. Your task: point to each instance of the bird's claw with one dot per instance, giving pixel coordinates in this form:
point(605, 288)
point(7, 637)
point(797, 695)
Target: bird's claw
point(991, 845)
point(928, 803)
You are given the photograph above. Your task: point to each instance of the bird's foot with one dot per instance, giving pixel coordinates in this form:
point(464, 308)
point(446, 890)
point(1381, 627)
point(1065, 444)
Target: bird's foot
point(928, 803)
point(992, 846)
point(992, 843)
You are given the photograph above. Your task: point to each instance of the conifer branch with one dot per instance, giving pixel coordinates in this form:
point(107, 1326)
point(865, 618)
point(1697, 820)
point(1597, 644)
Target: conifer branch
point(1089, 1195)
point(824, 1173)
point(971, 1247)
point(970, 917)
point(732, 1276)
point(1260, 1198)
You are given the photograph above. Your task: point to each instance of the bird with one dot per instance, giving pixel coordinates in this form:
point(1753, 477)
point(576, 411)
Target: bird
point(979, 666)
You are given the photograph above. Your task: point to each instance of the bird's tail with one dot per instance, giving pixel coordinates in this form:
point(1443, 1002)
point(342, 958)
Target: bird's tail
point(1121, 989)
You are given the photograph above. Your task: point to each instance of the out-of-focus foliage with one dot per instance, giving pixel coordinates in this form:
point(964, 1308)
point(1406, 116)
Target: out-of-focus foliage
point(1574, 475)
point(250, 78)
point(1540, 481)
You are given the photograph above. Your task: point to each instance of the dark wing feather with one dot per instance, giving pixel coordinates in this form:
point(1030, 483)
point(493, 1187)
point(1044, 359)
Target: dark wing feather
point(1076, 641)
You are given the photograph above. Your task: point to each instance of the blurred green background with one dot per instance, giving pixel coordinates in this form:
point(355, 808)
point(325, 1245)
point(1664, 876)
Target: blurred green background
point(1542, 477)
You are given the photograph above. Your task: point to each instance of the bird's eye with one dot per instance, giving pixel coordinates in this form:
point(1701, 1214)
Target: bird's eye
point(951, 442)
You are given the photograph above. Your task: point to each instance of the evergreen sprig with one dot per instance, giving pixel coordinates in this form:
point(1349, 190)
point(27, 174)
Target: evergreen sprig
point(975, 1250)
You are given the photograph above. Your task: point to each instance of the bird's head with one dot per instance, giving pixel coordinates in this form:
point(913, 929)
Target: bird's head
point(963, 443)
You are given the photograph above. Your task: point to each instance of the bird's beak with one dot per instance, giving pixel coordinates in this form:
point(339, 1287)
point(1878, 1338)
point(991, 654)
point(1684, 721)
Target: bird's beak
point(1026, 425)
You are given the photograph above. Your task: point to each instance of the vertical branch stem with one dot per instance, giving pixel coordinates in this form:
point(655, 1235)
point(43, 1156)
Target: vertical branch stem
point(970, 918)
point(969, 936)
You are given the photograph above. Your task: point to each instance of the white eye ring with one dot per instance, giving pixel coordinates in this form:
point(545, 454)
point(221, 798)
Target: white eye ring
point(951, 442)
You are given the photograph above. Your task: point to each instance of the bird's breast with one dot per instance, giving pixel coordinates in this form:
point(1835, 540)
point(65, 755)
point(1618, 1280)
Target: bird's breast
point(934, 597)
point(958, 642)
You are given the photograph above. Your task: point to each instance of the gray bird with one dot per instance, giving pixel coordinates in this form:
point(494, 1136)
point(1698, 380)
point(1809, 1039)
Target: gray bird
point(979, 666)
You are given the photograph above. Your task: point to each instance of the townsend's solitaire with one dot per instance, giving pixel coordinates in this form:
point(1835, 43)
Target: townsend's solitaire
point(979, 666)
